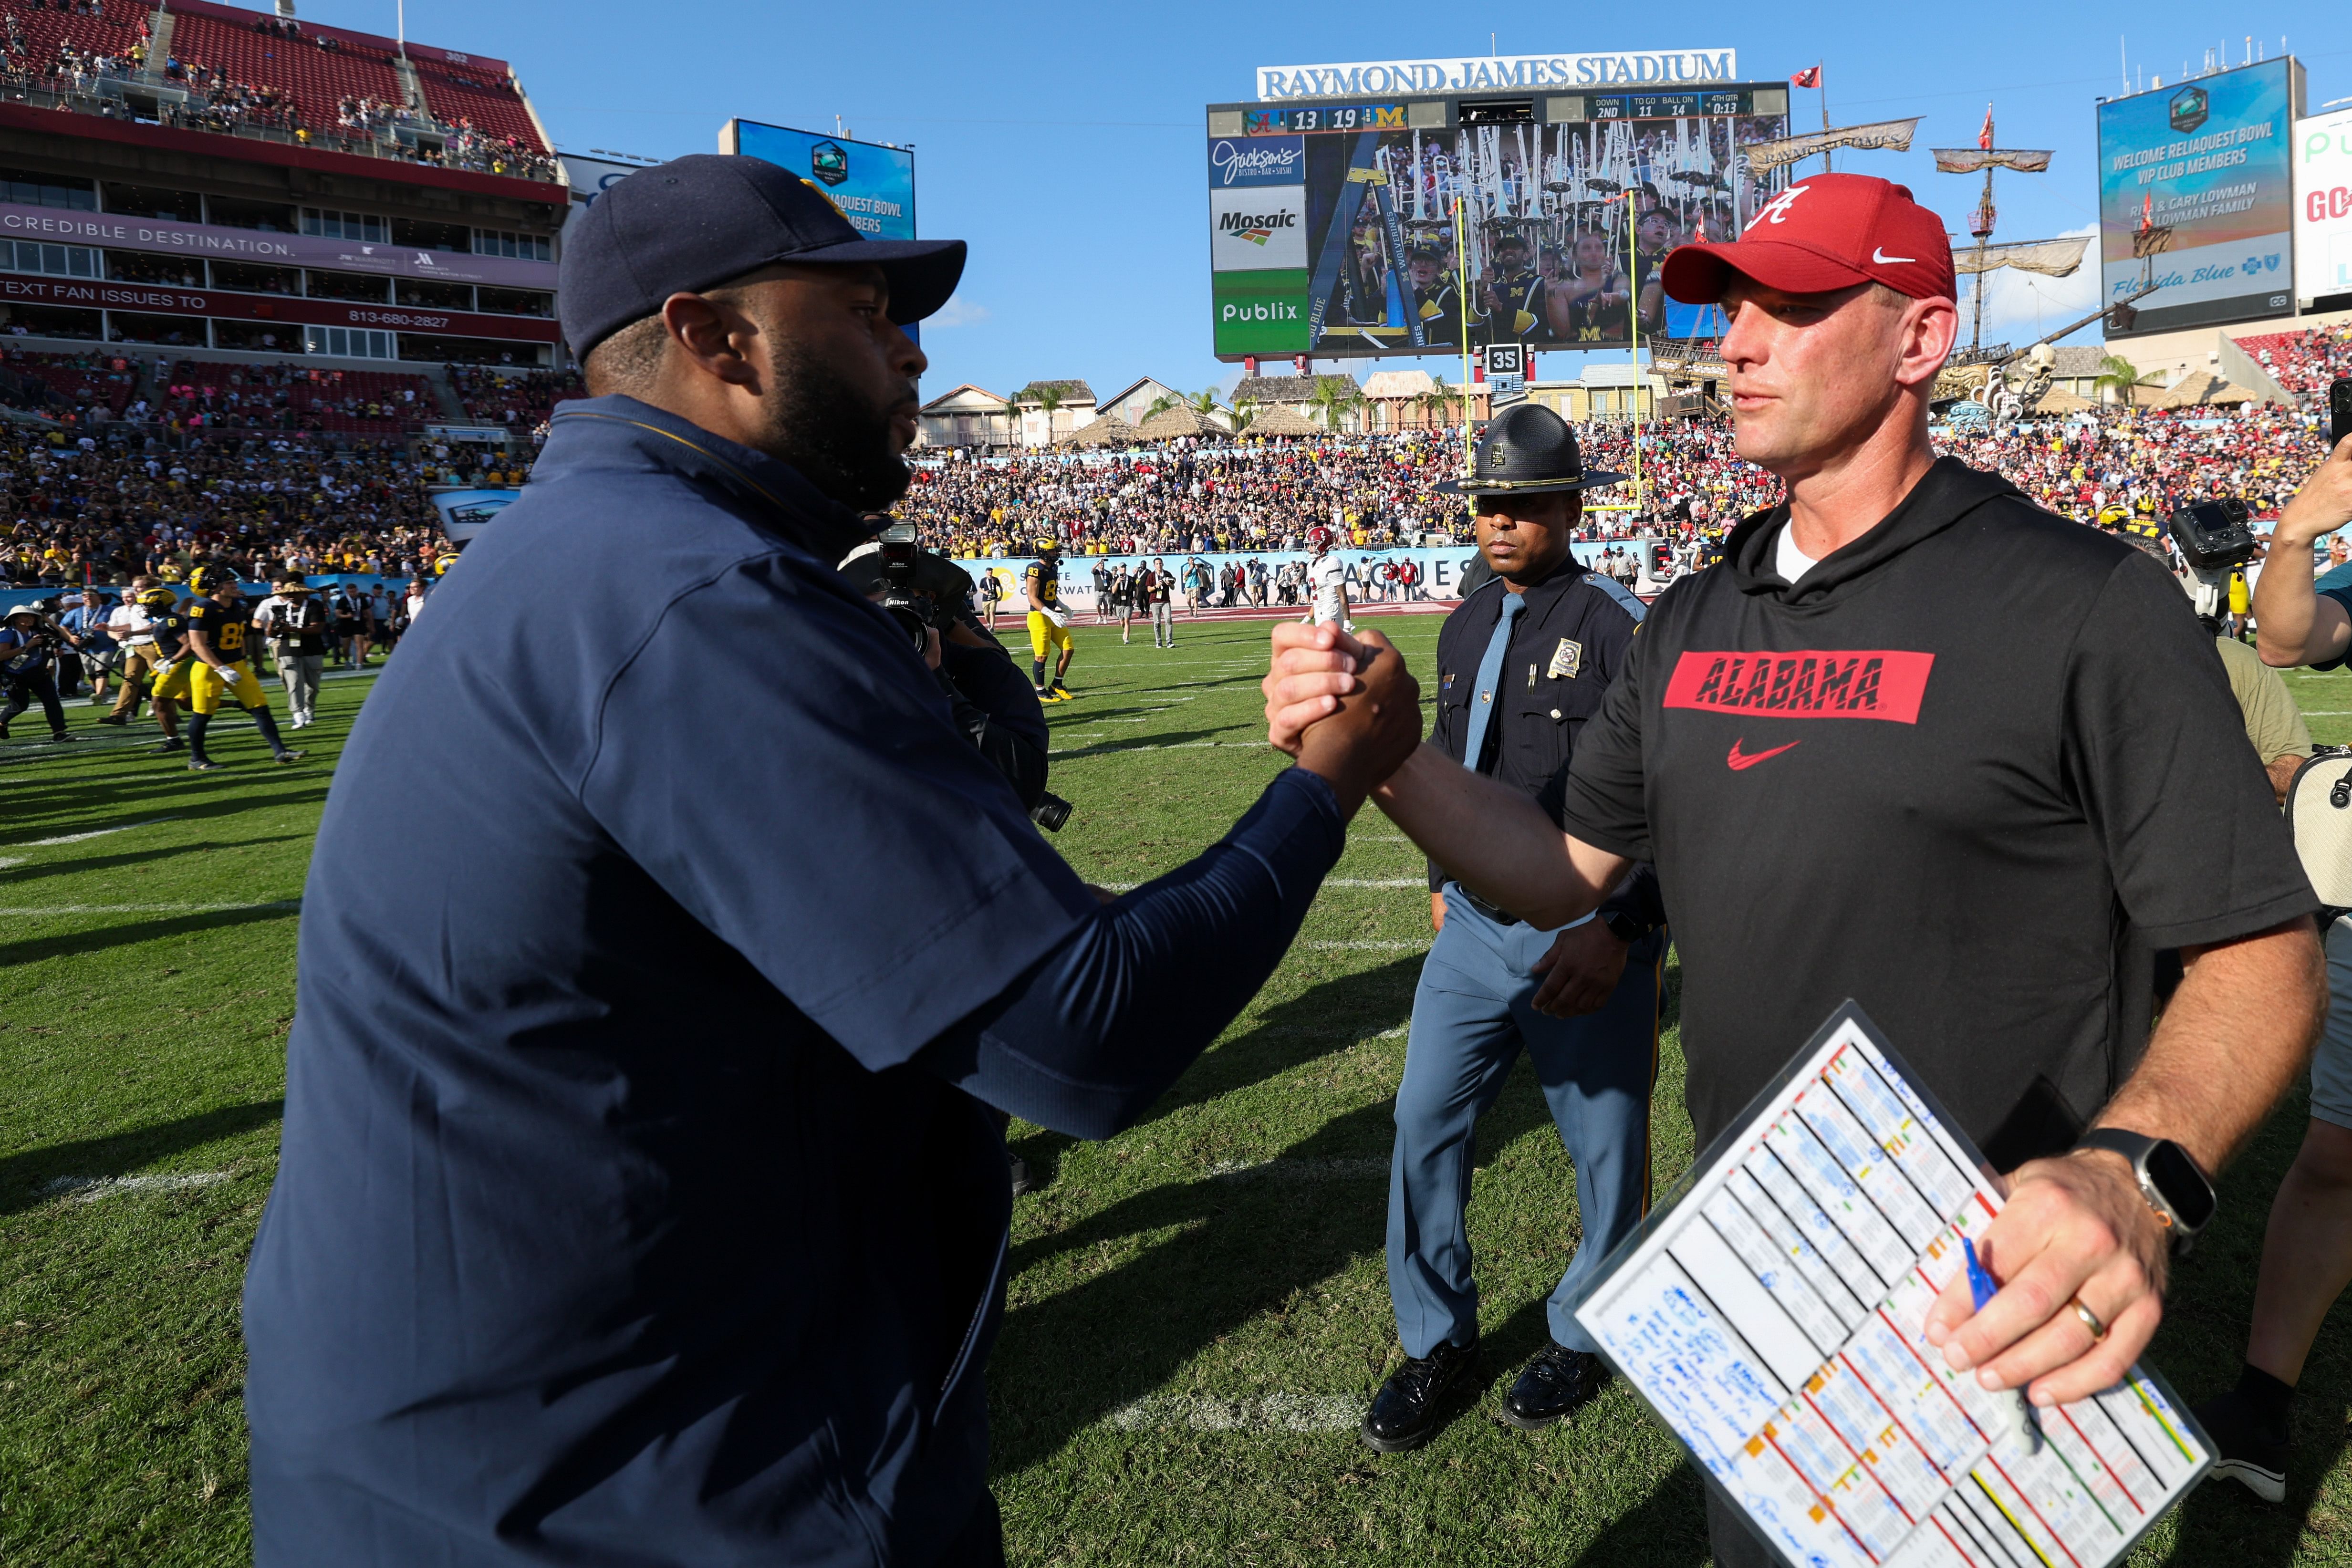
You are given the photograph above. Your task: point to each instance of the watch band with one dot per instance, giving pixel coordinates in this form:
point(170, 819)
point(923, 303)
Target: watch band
point(2183, 1214)
point(1626, 928)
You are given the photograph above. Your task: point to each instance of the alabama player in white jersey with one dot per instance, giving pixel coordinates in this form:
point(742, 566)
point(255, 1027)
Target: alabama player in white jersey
point(1327, 582)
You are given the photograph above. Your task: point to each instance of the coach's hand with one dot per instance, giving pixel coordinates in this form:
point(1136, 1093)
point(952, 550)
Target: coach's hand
point(1581, 972)
point(1369, 732)
point(1315, 669)
point(2075, 1228)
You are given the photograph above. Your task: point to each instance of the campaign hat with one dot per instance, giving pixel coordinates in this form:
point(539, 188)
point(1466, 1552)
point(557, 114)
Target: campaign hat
point(696, 221)
point(1527, 450)
point(1822, 234)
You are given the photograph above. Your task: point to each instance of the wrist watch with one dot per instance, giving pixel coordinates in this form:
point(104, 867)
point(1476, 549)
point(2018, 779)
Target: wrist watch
point(1624, 926)
point(2168, 1178)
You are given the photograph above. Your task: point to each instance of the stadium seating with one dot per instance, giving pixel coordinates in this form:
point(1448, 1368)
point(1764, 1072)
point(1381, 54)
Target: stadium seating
point(77, 380)
point(2304, 363)
point(525, 400)
point(492, 107)
point(112, 33)
point(282, 396)
point(224, 39)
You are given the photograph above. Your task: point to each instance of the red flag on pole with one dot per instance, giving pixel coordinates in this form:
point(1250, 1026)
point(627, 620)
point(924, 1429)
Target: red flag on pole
point(1810, 77)
point(2147, 211)
point(1984, 136)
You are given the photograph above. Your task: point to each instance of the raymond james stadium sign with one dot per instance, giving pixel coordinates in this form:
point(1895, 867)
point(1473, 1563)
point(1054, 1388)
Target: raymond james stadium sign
point(1498, 73)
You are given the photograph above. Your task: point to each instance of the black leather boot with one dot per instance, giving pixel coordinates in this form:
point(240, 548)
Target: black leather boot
point(1407, 1410)
point(1556, 1383)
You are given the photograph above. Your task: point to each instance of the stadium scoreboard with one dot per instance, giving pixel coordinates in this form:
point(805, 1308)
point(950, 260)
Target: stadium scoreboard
point(1333, 222)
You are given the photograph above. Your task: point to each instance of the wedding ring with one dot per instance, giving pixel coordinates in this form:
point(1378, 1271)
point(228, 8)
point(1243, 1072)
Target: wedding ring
point(2090, 1319)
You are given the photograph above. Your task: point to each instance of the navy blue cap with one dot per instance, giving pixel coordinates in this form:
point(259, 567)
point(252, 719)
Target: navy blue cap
point(698, 221)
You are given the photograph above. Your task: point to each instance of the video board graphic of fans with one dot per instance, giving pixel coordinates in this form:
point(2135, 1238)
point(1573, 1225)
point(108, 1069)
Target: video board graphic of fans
point(1343, 242)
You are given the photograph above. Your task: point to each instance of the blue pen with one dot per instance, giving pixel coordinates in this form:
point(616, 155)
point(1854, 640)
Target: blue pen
point(1982, 1290)
point(1980, 1286)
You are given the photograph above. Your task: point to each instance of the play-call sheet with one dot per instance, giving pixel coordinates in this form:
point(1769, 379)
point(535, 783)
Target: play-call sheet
point(1774, 1317)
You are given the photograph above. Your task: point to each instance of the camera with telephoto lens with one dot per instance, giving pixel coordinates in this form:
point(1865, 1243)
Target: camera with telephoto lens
point(2214, 535)
point(1050, 811)
point(913, 611)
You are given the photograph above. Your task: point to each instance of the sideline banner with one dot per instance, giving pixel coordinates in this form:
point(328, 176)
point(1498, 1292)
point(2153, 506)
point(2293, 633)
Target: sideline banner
point(1439, 569)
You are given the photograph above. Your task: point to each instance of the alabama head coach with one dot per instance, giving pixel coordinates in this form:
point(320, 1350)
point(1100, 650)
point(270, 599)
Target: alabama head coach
point(1919, 743)
point(639, 1203)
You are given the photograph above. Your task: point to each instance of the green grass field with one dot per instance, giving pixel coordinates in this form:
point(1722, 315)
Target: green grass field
point(1198, 1311)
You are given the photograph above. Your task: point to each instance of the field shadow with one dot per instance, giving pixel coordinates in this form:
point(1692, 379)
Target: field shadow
point(1140, 743)
point(1237, 1245)
point(17, 876)
point(2200, 1348)
point(23, 1176)
point(1326, 1019)
point(75, 943)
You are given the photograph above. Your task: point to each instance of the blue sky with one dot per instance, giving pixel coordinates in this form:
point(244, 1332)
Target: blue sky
point(1063, 142)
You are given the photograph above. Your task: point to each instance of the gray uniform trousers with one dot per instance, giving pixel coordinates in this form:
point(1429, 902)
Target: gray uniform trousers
point(1470, 1018)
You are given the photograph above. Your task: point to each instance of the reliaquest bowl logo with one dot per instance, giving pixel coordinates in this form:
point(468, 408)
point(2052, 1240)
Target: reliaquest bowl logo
point(2190, 108)
point(829, 162)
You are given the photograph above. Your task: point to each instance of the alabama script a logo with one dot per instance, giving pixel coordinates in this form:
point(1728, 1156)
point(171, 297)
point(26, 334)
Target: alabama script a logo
point(1807, 683)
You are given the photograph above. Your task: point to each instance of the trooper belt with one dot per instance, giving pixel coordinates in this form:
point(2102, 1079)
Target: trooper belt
point(1500, 916)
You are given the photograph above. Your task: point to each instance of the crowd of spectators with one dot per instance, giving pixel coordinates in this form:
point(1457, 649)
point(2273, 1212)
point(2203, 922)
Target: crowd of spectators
point(2099, 467)
point(528, 399)
point(259, 466)
point(119, 501)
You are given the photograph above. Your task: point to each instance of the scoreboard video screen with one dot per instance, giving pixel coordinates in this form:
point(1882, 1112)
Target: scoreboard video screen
point(1344, 229)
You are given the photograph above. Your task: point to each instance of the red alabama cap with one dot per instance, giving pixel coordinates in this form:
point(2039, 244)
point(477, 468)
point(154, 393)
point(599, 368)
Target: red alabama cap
point(1829, 232)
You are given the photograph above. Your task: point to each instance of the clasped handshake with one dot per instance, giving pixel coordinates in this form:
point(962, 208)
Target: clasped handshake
point(1345, 706)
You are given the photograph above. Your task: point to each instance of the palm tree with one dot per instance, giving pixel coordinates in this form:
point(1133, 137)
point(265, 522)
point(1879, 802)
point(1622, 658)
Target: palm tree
point(1438, 397)
point(1048, 398)
point(1011, 411)
point(1205, 403)
point(1335, 396)
point(2119, 374)
point(1161, 405)
point(1245, 413)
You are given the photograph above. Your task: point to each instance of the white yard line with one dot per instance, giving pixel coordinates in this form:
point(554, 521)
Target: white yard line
point(89, 1190)
point(1376, 881)
point(1302, 1170)
point(1265, 1413)
point(24, 909)
point(1367, 946)
point(92, 833)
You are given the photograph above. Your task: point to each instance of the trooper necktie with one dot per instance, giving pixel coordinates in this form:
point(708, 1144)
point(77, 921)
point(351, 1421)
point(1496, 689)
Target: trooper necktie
point(1490, 676)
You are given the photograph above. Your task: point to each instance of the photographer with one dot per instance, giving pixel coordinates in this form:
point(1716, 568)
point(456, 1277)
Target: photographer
point(29, 643)
point(2307, 1248)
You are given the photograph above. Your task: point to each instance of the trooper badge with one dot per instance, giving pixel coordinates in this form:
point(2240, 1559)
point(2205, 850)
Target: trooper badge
point(1566, 660)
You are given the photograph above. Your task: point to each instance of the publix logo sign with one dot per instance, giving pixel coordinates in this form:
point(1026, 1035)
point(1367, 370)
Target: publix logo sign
point(1255, 227)
point(1235, 312)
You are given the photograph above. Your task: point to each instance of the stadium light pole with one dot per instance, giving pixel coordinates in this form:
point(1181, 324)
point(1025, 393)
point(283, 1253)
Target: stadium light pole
point(1461, 307)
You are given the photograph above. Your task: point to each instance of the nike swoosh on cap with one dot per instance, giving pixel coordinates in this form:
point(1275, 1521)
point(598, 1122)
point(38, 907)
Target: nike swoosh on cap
point(1741, 762)
point(1882, 259)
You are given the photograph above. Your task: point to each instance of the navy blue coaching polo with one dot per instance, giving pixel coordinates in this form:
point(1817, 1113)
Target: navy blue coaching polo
point(587, 1245)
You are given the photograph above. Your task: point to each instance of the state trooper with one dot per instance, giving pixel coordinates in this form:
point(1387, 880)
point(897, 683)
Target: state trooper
point(1522, 664)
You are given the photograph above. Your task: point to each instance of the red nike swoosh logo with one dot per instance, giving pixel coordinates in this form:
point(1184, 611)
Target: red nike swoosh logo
point(1742, 761)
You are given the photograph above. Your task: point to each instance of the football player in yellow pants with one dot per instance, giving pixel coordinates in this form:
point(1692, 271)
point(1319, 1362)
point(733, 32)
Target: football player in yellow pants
point(216, 625)
point(1049, 628)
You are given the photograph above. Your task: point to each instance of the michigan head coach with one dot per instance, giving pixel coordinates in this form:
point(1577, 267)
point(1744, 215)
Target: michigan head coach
point(640, 1202)
point(1919, 743)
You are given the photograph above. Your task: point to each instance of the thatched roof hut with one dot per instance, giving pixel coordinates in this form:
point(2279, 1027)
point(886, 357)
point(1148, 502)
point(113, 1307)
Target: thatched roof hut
point(1108, 431)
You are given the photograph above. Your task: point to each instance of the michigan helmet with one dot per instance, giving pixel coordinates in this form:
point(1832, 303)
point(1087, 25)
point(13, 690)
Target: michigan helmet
point(159, 598)
point(1049, 546)
point(205, 578)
